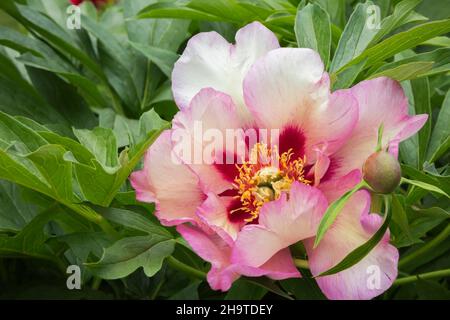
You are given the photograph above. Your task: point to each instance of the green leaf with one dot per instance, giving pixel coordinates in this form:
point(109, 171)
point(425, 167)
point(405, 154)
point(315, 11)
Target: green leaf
point(128, 254)
point(168, 10)
point(101, 142)
point(219, 10)
point(134, 221)
point(363, 250)
point(244, 290)
point(401, 12)
point(313, 30)
point(335, 9)
point(440, 138)
point(85, 243)
point(99, 172)
point(406, 71)
point(425, 186)
point(188, 293)
point(438, 42)
point(118, 62)
point(439, 59)
point(421, 94)
point(400, 218)
point(303, 289)
point(63, 97)
point(88, 89)
point(414, 193)
point(431, 290)
point(269, 285)
point(421, 222)
point(13, 131)
point(164, 59)
point(49, 160)
point(399, 42)
point(31, 241)
point(15, 212)
point(56, 35)
point(346, 78)
point(355, 38)
point(333, 211)
point(166, 34)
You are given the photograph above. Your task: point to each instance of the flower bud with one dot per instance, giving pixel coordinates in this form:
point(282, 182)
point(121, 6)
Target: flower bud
point(382, 172)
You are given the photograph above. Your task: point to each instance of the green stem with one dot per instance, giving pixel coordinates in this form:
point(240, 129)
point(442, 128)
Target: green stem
point(425, 248)
point(96, 281)
point(177, 264)
point(94, 217)
point(302, 264)
point(423, 276)
point(157, 289)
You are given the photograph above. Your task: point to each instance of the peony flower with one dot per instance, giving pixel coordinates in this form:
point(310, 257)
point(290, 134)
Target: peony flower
point(242, 217)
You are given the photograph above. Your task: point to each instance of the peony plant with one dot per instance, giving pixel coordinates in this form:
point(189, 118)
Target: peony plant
point(227, 149)
point(242, 218)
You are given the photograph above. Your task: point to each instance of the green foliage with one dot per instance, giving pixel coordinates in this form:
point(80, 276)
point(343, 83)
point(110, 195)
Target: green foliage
point(78, 109)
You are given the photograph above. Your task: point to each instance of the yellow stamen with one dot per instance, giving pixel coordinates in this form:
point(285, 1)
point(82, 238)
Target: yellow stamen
point(258, 181)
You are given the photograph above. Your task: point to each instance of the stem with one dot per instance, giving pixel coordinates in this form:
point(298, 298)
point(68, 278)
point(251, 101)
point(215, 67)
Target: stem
point(94, 217)
point(157, 289)
point(177, 264)
point(302, 264)
point(423, 276)
point(96, 281)
point(425, 248)
point(108, 228)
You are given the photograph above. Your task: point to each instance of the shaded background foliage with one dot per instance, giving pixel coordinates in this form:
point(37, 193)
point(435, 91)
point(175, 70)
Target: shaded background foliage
point(78, 108)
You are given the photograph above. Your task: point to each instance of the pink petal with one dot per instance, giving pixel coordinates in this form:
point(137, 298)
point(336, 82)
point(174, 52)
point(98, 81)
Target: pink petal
point(210, 61)
point(280, 266)
point(214, 213)
point(223, 273)
point(381, 101)
point(334, 188)
point(172, 186)
point(202, 130)
point(353, 227)
point(320, 167)
point(214, 250)
point(288, 87)
point(281, 223)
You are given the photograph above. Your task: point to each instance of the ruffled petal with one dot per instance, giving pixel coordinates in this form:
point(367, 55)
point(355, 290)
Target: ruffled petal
point(214, 250)
point(207, 136)
point(214, 212)
point(210, 61)
point(282, 223)
point(381, 101)
point(353, 227)
point(334, 188)
point(169, 183)
point(280, 266)
point(289, 88)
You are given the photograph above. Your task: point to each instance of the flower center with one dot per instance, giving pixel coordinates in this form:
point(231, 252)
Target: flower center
point(265, 177)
